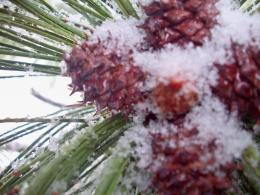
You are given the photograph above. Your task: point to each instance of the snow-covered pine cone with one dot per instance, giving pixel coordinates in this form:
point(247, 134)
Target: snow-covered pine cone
point(238, 87)
point(106, 78)
point(176, 97)
point(179, 21)
point(183, 167)
point(238, 84)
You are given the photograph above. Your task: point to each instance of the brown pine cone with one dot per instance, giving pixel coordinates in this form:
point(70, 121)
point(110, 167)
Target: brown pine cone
point(238, 84)
point(106, 78)
point(179, 21)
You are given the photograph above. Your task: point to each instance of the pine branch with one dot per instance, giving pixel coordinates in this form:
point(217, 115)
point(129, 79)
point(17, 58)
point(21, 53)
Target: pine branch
point(25, 66)
point(99, 7)
point(42, 139)
point(23, 76)
point(112, 174)
point(127, 8)
point(86, 10)
point(250, 4)
point(30, 55)
point(9, 46)
point(9, 17)
point(44, 2)
point(32, 8)
point(64, 166)
point(43, 120)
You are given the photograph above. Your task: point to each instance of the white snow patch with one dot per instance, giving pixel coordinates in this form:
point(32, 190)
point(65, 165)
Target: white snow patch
point(147, 2)
point(137, 142)
point(53, 144)
point(119, 33)
point(214, 122)
point(241, 27)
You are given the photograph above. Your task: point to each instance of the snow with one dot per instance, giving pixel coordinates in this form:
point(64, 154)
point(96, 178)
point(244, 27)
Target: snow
point(210, 116)
point(174, 60)
point(146, 2)
point(214, 122)
point(53, 144)
point(119, 33)
point(138, 135)
point(241, 27)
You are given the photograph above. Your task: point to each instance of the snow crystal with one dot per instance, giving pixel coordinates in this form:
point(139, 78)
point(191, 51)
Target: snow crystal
point(241, 27)
point(174, 60)
point(147, 2)
point(137, 143)
point(214, 122)
point(139, 136)
point(134, 177)
point(53, 144)
point(119, 33)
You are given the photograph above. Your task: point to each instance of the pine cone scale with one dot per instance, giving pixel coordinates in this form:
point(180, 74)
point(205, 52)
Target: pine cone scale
point(191, 19)
point(189, 27)
point(177, 16)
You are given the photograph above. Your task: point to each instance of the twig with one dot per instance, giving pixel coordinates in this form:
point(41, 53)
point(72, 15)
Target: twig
point(47, 100)
point(53, 103)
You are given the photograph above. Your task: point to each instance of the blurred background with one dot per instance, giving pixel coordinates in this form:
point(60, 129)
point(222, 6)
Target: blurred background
point(18, 100)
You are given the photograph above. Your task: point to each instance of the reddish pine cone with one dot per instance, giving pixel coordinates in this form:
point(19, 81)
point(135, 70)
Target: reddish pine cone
point(179, 21)
point(106, 78)
point(176, 97)
point(180, 170)
point(239, 83)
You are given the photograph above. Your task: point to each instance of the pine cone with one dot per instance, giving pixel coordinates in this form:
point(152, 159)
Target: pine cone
point(180, 169)
point(176, 97)
point(106, 78)
point(179, 21)
point(238, 84)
